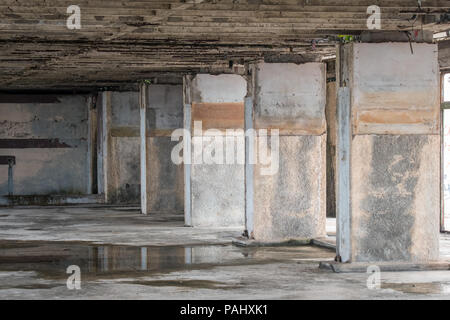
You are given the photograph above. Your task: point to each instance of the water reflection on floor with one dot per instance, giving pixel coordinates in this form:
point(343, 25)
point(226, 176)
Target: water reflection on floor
point(50, 259)
point(37, 269)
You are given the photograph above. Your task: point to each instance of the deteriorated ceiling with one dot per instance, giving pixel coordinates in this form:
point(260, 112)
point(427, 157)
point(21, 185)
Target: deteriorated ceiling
point(129, 40)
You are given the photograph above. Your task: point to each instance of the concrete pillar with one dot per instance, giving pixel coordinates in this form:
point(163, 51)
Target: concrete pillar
point(125, 145)
point(444, 55)
point(119, 150)
point(165, 191)
point(107, 170)
point(217, 191)
point(187, 152)
point(289, 202)
point(91, 155)
point(388, 152)
point(249, 165)
point(143, 96)
point(100, 180)
point(330, 113)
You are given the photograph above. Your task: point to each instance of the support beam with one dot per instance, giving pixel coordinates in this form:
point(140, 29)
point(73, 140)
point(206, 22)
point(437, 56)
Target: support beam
point(331, 116)
point(89, 167)
point(92, 146)
point(106, 144)
point(10, 161)
point(187, 151)
point(10, 177)
point(343, 234)
point(249, 152)
point(100, 180)
point(444, 55)
point(143, 92)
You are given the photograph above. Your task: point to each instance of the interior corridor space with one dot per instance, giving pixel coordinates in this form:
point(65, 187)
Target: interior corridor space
point(226, 149)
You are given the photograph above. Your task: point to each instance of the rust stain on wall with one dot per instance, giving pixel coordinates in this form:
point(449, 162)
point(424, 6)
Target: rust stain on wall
point(219, 115)
point(388, 116)
point(396, 122)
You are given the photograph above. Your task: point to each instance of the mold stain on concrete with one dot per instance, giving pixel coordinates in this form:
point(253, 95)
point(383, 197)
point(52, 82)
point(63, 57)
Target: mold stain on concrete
point(390, 198)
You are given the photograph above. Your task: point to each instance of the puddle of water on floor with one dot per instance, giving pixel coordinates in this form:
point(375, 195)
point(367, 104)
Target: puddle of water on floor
point(419, 288)
point(51, 259)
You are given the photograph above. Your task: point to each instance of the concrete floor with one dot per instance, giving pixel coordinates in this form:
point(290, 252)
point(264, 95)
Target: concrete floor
point(123, 255)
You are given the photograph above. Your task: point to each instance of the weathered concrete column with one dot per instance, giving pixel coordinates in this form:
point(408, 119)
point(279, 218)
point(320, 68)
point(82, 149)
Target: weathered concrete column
point(143, 98)
point(289, 200)
point(118, 168)
point(119, 149)
point(91, 154)
point(187, 152)
point(388, 152)
point(164, 113)
point(106, 175)
point(217, 189)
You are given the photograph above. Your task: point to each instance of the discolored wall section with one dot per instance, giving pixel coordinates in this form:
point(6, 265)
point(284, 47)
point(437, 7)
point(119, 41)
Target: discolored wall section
point(395, 150)
point(166, 183)
point(398, 94)
point(291, 202)
point(291, 98)
point(49, 141)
